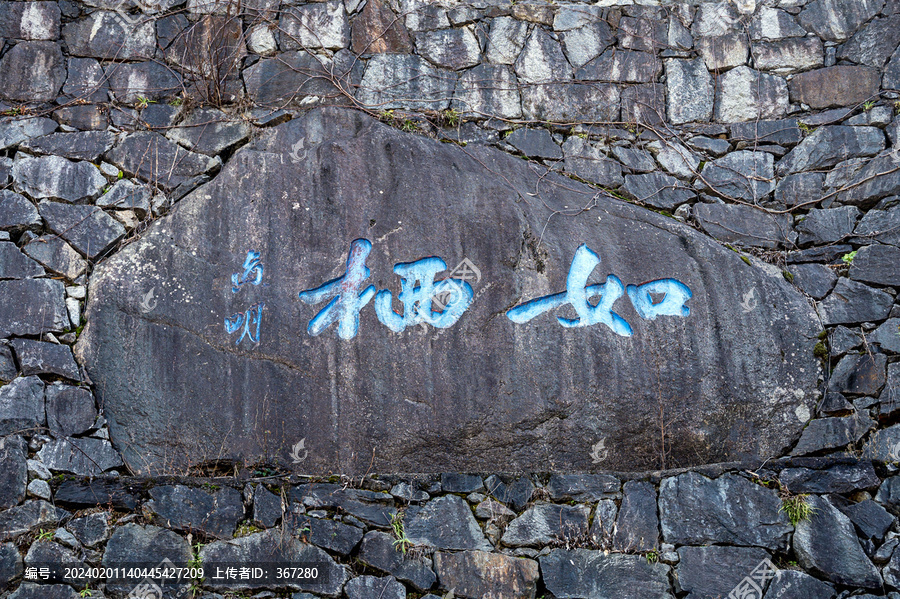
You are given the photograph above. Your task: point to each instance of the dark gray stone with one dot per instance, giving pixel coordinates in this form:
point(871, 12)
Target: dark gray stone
point(461, 483)
point(209, 131)
point(17, 213)
point(584, 43)
point(763, 360)
point(106, 35)
point(267, 509)
point(890, 397)
point(783, 132)
point(826, 545)
point(743, 175)
point(712, 572)
point(453, 49)
point(891, 79)
point(827, 226)
point(11, 566)
point(476, 574)
point(872, 45)
point(135, 544)
point(889, 493)
point(690, 512)
point(872, 520)
point(39, 357)
point(851, 302)
point(514, 492)
point(32, 72)
point(7, 365)
point(272, 548)
point(882, 226)
point(160, 116)
point(744, 225)
point(27, 517)
point(841, 85)
point(185, 508)
point(610, 575)
point(724, 51)
point(83, 456)
point(887, 336)
point(827, 146)
point(365, 587)
point(644, 104)
point(42, 553)
point(637, 526)
point(170, 166)
point(585, 102)
point(378, 551)
point(90, 230)
point(815, 280)
point(58, 178)
point(582, 487)
point(335, 536)
point(80, 145)
point(488, 91)
point(98, 493)
point(842, 478)
point(878, 264)
point(800, 188)
point(837, 20)
point(637, 160)
point(792, 584)
point(841, 340)
point(657, 189)
point(28, 590)
point(859, 375)
point(713, 146)
point(689, 91)
point(445, 523)
point(149, 80)
point(292, 77)
point(832, 433)
point(405, 81)
point(21, 405)
point(32, 307)
point(586, 161)
point(90, 530)
point(535, 143)
point(56, 255)
point(86, 117)
point(376, 29)
point(14, 131)
point(507, 37)
point(891, 571)
point(13, 474)
point(621, 66)
point(29, 20)
point(547, 523)
point(644, 34)
point(126, 195)
point(789, 55)
point(86, 81)
point(744, 94)
point(16, 265)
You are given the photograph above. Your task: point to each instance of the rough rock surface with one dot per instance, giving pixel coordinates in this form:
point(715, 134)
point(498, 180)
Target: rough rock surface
point(186, 318)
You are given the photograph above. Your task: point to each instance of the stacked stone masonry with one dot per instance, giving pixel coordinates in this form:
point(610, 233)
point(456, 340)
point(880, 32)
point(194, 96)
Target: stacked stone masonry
point(770, 126)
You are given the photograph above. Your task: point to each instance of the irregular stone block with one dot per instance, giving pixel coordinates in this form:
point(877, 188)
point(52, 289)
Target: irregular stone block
point(32, 72)
point(16, 265)
point(56, 255)
point(405, 81)
point(827, 146)
point(29, 20)
point(186, 508)
point(13, 476)
point(86, 81)
point(585, 103)
point(831, 433)
point(32, 307)
point(57, 178)
point(542, 59)
point(815, 280)
point(637, 526)
point(746, 225)
point(743, 175)
point(585, 43)
point(842, 85)
point(873, 44)
point(378, 551)
point(790, 55)
point(70, 410)
point(878, 264)
point(27, 517)
point(827, 226)
point(90, 230)
point(657, 189)
point(842, 478)
point(319, 25)
point(852, 302)
point(453, 49)
point(506, 40)
point(586, 161)
point(83, 456)
point(547, 523)
point(782, 132)
point(724, 51)
point(611, 575)
point(837, 20)
point(38, 357)
point(292, 78)
point(79, 145)
point(476, 574)
point(445, 523)
point(689, 91)
point(743, 94)
point(488, 91)
point(363, 587)
point(106, 35)
point(621, 66)
point(716, 571)
point(209, 131)
point(376, 30)
point(135, 544)
point(644, 104)
point(152, 157)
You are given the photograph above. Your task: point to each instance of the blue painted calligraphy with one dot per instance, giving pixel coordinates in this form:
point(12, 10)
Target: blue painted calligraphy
point(578, 293)
point(253, 272)
point(251, 319)
point(418, 290)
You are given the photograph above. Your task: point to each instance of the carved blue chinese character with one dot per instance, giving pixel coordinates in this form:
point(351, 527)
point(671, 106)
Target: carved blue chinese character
point(577, 294)
point(249, 320)
point(417, 298)
point(253, 272)
point(674, 293)
point(348, 300)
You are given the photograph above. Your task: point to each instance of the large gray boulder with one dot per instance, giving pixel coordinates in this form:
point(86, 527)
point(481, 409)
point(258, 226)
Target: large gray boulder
point(727, 350)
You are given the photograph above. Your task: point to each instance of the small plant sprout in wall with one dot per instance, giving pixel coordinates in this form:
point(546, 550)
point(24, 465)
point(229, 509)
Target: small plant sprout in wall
point(401, 541)
point(797, 508)
point(848, 257)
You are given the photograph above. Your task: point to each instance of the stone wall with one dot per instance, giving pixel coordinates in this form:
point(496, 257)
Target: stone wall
point(771, 128)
